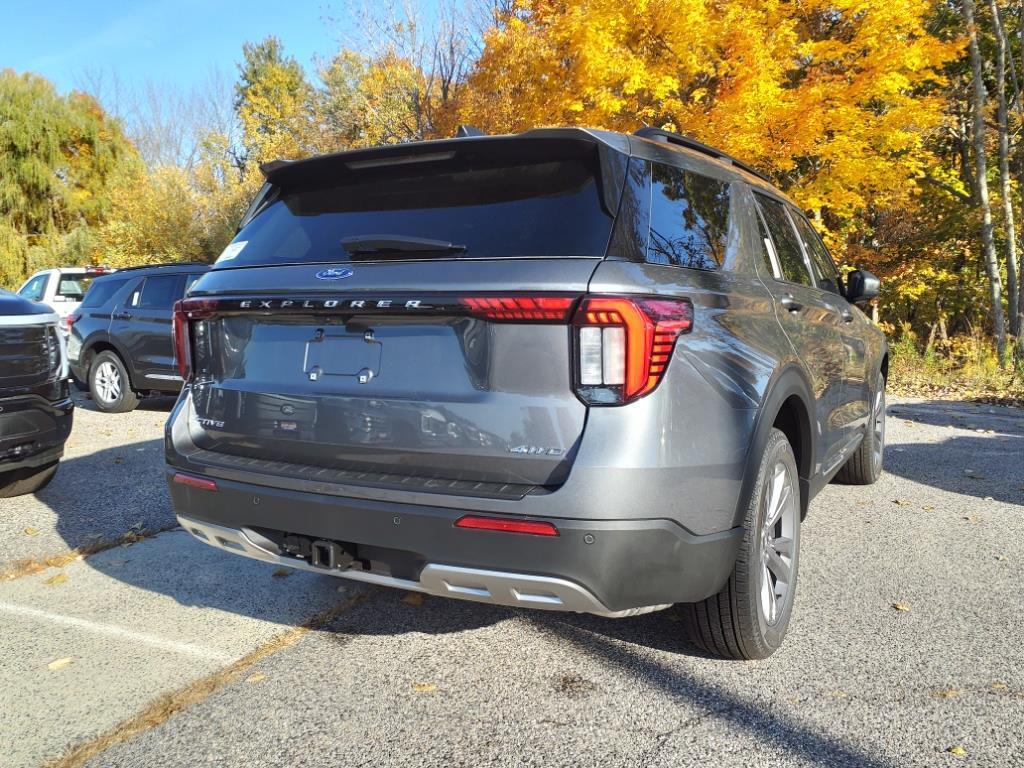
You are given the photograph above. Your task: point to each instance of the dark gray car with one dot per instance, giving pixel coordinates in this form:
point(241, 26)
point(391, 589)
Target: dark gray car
point(119, 339)
point(567, 369)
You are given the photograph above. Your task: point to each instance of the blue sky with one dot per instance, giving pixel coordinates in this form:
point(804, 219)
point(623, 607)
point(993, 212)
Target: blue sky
point(174, 42)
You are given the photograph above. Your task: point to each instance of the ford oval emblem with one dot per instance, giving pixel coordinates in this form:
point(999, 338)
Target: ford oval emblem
point(334, 273)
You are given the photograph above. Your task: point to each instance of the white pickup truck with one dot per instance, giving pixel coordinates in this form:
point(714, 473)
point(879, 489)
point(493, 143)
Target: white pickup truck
point(62, 288)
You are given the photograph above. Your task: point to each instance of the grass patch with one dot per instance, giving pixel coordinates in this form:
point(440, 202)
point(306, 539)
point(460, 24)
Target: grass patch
point(966, 369)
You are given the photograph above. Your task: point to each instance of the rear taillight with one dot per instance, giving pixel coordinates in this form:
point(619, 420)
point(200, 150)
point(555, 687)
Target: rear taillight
point(70, 320)
point(186, 311)
point(623, 345)
point(551, 309)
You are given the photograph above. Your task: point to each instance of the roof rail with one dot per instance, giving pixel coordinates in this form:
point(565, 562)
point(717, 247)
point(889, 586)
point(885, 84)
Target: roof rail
point(163, 266)
point(660, 134)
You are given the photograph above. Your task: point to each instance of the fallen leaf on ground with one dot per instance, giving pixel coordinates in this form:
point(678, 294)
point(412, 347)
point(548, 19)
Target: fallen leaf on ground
point(1001, 558)
point(60, 578)
point(999, 686)
point(901, 502)
point(957, 750)
point(60, 663)
point(904, 607)
point(31, 531)
point(971, 518)
point(413, 598)
point(424, 687)
point(282, 573)
point(948, 693)
point(255, 677)
point(928, 508)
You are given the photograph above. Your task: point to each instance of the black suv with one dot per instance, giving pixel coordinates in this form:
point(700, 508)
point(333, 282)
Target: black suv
point(119, 342)
point(568, 369)
point(36, 410)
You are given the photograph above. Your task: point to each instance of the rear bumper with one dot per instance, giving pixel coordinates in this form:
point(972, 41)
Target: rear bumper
point(33, 431)
point(606, 567)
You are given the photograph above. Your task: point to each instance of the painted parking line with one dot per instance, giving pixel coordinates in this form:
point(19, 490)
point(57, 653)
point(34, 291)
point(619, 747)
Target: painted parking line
point(127, 626)
point(120, 633)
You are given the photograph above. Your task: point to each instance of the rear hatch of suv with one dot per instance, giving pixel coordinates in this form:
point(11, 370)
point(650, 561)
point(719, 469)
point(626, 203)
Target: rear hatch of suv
point(402, 316)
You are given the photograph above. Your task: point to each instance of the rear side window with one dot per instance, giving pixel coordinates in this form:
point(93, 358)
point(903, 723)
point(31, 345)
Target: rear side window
point(825, 273)
point(495, 208)
point(784, 239)
point(101, 292)
point(689, 218)
point(159, 292)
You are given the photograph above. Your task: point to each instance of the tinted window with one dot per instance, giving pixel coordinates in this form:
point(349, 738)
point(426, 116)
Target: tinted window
point(825, 274)
point(523, 209)
point(101, 292)
point(787, 246)
point(33, 289)
point(689, 218)
point(73, 288)
point(190, 281)
point(160, 292)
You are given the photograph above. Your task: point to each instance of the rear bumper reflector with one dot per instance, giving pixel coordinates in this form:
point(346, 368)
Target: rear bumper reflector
point(506, 525)
point(202, 483)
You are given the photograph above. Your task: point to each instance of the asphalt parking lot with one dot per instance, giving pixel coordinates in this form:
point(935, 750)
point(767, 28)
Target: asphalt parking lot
point(905, 648)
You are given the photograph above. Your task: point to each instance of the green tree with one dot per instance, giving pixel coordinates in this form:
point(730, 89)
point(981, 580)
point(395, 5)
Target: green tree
point(57, 157)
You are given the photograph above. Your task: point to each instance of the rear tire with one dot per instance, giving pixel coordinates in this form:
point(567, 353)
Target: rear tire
point(22, 481)
point(864, 467)
point(109, 385)
point(749, 617)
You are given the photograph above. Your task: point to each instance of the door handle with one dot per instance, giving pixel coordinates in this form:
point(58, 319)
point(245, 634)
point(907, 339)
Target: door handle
point(791, 304)
point(123, 316)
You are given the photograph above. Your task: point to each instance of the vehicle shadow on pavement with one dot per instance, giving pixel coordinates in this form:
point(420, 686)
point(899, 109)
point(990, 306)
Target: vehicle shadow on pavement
point(94, 499)
point(610, 640)
point(983, 467)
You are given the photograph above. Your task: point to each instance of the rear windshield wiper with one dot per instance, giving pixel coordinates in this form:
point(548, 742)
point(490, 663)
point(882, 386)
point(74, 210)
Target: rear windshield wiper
point(374, 244)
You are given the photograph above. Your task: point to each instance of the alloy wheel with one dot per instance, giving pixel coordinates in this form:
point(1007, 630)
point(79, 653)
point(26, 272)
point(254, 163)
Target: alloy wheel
point(780, 510)
point(108, 382)
point(878, 424)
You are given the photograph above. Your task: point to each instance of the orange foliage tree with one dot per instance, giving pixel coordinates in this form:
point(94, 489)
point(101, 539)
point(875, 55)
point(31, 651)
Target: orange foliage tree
point(836, 100)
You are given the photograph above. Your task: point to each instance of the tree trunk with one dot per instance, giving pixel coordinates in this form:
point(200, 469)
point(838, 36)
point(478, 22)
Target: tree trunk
point(995, 285)
point(1004, 169)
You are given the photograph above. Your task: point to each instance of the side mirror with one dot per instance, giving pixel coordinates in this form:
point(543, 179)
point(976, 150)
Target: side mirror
point(861, 286)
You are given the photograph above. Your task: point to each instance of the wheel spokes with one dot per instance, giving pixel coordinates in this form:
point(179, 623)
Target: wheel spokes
point(779, 567)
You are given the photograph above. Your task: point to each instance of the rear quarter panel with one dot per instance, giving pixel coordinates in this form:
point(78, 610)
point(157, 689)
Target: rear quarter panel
point(680, 453)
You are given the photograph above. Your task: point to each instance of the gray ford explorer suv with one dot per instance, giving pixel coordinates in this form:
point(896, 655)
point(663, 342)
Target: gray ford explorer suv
point(566, 369)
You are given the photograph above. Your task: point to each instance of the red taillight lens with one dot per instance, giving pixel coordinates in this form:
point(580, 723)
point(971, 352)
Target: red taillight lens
point(624, 345)
point(195, 482)
point(519, 308)
point(185, 311)
point(507, 525)
point(70, 320)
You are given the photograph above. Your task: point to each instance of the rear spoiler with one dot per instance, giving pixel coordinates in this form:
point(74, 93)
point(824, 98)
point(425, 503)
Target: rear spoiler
point(613, 153)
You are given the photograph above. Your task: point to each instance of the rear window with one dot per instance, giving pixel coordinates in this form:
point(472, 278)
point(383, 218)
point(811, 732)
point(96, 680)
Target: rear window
point(101, 292)
point(73, 287)
point(524, 209)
